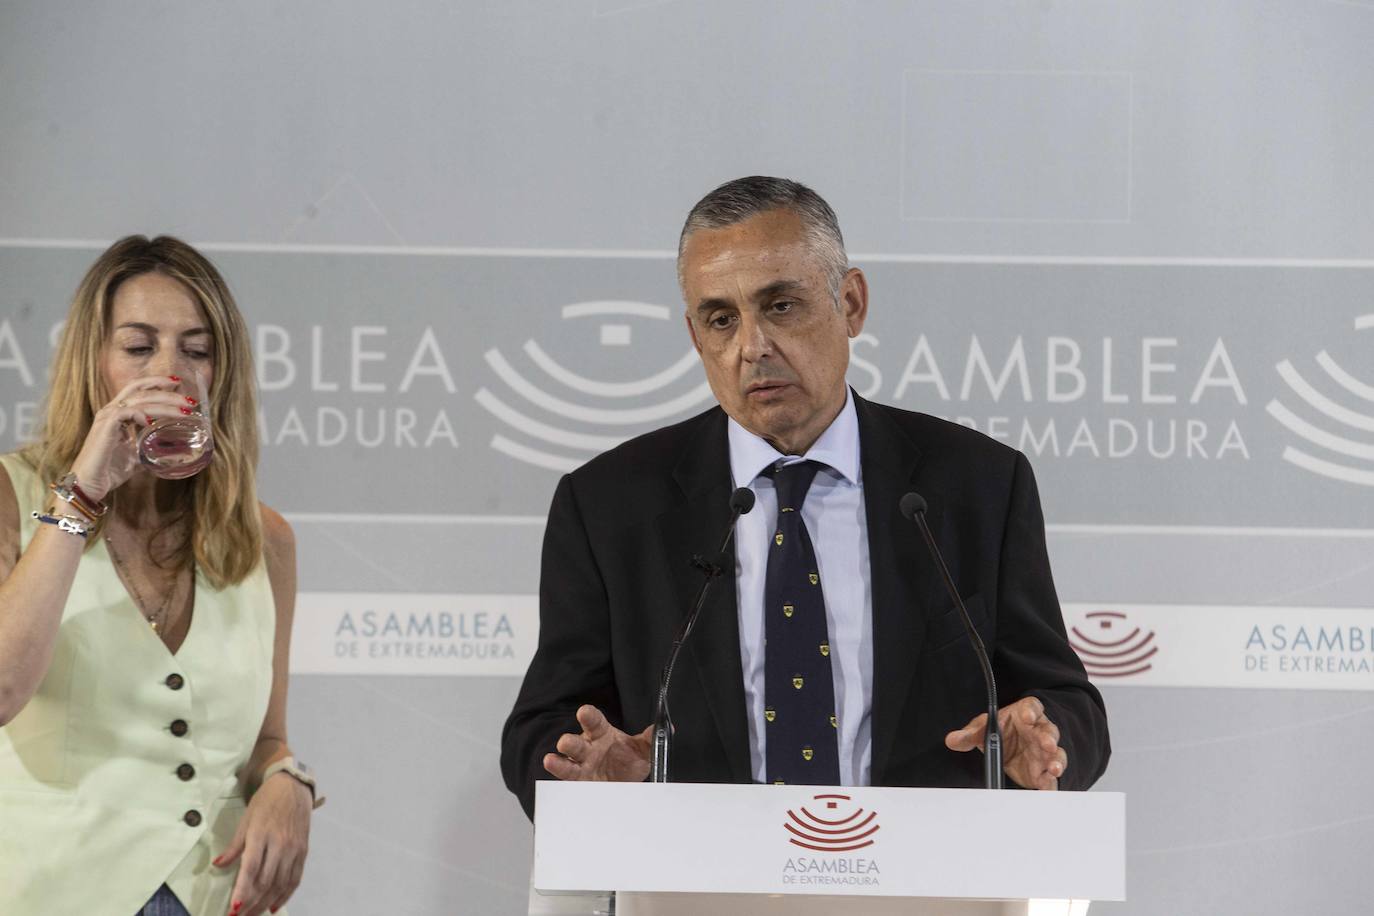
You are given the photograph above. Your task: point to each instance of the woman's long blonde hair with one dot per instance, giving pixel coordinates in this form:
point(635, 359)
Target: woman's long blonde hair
point(222, 503)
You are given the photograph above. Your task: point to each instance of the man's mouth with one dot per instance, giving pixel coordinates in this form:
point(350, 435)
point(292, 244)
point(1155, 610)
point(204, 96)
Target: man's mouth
point(764, 389)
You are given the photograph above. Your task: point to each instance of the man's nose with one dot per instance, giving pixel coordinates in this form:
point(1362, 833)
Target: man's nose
point(755, 344)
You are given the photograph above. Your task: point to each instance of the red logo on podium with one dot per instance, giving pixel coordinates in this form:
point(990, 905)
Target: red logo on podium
point(1112, 647)
point(841, 829)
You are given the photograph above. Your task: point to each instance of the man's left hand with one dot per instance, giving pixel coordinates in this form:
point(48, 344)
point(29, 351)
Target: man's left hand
point(1031, 755)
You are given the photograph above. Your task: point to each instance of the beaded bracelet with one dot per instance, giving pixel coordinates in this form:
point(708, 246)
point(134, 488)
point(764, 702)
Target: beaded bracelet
point(68, 523)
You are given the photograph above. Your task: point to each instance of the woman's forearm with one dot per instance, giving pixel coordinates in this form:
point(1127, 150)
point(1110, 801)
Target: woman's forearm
point(32, 598)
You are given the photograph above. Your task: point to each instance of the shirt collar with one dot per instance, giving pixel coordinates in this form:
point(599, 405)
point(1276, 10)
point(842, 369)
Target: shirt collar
point(837, 448)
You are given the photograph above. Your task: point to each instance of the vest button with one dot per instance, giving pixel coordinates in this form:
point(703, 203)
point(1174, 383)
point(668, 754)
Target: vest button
point(180, 728)
point(175, 681)
point(192, 818)
point(185, 773)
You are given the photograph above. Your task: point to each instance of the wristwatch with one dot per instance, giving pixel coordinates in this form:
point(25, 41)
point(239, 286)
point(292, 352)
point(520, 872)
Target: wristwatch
point(297, 771)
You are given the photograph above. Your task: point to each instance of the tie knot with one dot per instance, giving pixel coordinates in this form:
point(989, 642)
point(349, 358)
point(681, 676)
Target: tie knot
point(793, 481)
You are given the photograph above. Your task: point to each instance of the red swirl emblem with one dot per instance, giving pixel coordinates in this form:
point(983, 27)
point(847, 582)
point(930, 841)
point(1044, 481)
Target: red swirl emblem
point(1111, 647)
point(842, 829)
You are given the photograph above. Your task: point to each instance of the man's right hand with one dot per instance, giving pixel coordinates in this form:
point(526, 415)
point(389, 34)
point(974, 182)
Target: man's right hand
point(602, 753)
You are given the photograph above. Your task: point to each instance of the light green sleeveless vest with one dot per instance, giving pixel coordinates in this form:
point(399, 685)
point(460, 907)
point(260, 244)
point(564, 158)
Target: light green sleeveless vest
point(97, 809)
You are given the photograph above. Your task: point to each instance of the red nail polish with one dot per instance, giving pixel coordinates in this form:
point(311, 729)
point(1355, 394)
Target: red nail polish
point(188, 411)
point(191, 400)
point(175, 378)
point(148, 419)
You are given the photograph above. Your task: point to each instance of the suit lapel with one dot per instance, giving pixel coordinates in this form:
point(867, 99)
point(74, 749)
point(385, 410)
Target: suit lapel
point(889, 460)
point(694, 527)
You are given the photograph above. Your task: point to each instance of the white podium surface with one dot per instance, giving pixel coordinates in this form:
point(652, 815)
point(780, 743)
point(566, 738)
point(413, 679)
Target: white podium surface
point(678, 841)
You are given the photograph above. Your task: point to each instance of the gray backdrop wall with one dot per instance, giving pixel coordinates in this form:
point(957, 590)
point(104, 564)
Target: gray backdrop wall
point(1133, 239)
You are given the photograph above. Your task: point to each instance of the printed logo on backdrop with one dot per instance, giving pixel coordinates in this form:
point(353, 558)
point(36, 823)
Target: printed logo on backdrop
point(575, 417)
point(1148, 407)
point(1303, 648)
point(364, 387)
point(1326, 423)
point(479, 635)
point(1110, 398)
point(1157, 404)
point(1111, 647)
point(21, 370)
point(841, 828)
point(1225, 646)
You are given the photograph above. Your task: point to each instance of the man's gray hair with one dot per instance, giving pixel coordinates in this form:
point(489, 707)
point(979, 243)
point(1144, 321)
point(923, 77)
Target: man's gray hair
point(738, 200)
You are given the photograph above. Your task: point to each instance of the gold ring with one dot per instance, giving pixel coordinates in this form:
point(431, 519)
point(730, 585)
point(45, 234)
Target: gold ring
point(120, 403)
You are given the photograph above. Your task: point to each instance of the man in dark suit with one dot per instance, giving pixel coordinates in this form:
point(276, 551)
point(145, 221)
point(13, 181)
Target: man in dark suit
point(835, 655)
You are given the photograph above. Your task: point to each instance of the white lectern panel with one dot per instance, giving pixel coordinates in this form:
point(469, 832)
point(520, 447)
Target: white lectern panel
point(812, 840)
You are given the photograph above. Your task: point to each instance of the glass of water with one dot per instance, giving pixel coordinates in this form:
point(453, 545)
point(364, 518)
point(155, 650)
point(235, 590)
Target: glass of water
point(178, 447)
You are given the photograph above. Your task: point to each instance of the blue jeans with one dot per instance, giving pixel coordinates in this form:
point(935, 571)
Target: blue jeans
point(164, 903)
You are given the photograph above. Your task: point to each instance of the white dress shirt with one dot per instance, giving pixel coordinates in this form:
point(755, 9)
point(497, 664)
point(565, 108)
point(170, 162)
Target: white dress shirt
point(835, 519)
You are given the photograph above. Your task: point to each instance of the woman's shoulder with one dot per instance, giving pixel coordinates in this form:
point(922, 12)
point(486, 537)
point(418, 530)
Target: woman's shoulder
point(19, 478)
point(17, 464)
point(279, 554)
point(278, 540)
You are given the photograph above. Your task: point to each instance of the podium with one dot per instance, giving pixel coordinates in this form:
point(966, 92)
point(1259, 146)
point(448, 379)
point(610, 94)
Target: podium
point(680, 848)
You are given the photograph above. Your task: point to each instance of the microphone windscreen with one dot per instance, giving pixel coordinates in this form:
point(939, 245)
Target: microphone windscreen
point(912, 505)
point(742, 500)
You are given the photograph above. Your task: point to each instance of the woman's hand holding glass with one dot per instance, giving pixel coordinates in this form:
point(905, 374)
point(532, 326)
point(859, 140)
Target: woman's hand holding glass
point(181, 446)
point(110, 454)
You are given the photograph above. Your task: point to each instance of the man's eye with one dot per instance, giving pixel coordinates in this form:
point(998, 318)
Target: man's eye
point(721, 322)
point(784, 305)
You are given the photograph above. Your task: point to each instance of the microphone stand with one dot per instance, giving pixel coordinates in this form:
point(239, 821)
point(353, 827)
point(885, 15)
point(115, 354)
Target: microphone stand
point(741, 501)
point(915, 509)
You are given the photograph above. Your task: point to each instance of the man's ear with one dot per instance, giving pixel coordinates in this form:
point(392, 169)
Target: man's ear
point(854, 300)
point(692, 329)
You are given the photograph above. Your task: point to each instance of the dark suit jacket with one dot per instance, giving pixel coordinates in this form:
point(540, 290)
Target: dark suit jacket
point(616, 580)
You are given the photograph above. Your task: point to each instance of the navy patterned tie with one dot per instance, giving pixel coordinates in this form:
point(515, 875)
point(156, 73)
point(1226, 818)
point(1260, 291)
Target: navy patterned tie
point(798, 692)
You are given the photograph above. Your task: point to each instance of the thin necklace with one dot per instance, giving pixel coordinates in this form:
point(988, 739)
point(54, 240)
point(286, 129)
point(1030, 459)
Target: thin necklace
point(158, 618)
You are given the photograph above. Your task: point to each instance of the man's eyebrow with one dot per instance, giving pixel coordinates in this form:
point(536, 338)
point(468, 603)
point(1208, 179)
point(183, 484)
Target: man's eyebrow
point(711, 304)
point(777, 287)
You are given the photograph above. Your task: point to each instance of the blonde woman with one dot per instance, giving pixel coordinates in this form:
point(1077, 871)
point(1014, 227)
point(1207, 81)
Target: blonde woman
point(145, 622)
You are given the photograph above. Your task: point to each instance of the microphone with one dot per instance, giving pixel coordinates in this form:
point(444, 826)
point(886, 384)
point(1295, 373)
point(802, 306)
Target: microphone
point(913, 506)
point(741, 501)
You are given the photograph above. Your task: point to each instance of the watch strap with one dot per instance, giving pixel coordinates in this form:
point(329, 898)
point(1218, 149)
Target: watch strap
point(297, 771)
